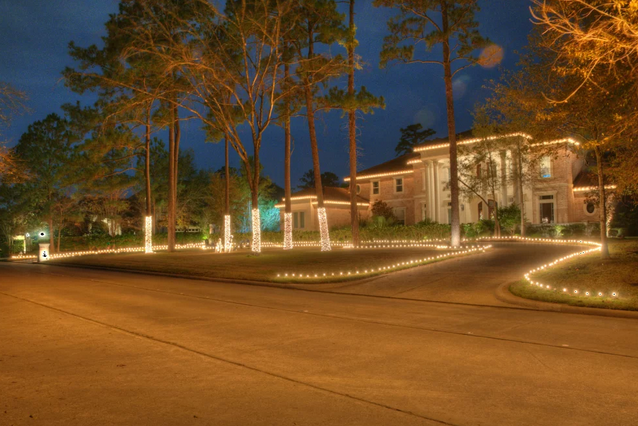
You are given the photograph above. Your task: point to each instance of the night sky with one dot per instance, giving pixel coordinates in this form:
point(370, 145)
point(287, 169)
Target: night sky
point(34, 35)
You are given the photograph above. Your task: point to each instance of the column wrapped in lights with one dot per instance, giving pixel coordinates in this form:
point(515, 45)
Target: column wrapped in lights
point(256, 246)
point(227, 235)
point(148, 235)
point(323, 229)
point(287, 231)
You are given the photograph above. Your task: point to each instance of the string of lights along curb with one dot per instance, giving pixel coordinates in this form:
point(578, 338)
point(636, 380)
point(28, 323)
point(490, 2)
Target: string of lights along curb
point(381, 269)
point(115, 251)
point(148, 234)
point(571, 291)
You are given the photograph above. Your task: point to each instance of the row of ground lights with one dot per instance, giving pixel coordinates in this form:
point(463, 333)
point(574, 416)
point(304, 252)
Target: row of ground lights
point(575, 292)
point(382, 268)
point(114, 251)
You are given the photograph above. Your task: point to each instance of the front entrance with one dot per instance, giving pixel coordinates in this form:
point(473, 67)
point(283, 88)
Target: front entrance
point(546, 204)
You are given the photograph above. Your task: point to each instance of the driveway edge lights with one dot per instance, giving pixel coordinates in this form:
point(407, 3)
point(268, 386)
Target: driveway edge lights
point(503, 294)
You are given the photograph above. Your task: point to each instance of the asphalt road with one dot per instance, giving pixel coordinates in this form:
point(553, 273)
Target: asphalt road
point(86, 347)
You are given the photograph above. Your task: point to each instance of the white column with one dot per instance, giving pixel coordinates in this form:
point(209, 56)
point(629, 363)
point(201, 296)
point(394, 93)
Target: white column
point(436, 186)
point(430, 189)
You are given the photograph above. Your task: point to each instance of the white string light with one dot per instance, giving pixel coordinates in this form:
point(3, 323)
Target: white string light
point(288, 231)
point(471, 141)
point(256, 227)
point(323, 229)
point(228, 246)
point(528, 275)
point(342, 203)
point(148, 234)
point(360, 177)
point(383, 269)
point(557, 141)
point(592, 188)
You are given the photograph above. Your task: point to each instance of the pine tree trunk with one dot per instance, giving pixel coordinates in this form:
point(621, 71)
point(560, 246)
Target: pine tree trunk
point(171, 185)
point(227, 176)
point(148, 161)
point(519, 167)
point(288, 243)
point(178, 137)
point(352, 135)
point(449, 97)
point(602, 205)
point(51, 236)
point(256, 221)
point(310, 113)
point(59, 238)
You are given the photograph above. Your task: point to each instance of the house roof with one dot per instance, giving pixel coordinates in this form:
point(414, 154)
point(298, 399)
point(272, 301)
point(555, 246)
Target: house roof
point(585, 179)
point(438, 141)
point(398, 164)
point(330, 193)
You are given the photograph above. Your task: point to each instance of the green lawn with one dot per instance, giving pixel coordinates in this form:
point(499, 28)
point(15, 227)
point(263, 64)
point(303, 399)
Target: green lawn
point(265, 267)
point(589, 273)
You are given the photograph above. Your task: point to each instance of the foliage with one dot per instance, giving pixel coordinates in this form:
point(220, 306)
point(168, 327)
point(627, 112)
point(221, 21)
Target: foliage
point(381, 209)
point(509, 218)
point(307, 181)
point(411, 136)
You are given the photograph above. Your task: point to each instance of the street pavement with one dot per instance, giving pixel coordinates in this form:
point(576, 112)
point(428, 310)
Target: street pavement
point(90, 347)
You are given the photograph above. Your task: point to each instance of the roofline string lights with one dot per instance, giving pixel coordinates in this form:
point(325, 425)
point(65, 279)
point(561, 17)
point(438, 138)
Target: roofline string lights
point(148, 234)
point(471, 141)
point(592, 188)
point(256, 228)
point(288, 245)
point(382, 269)
point(323, 229)
point(378, 175)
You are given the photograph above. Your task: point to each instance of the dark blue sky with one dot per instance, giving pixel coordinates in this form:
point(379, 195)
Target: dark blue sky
point(34, 35)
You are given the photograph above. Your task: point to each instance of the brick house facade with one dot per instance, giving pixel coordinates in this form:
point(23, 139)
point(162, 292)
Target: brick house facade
point(415, 186)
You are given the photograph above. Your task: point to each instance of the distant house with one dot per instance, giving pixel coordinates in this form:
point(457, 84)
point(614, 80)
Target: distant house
point(336, 202)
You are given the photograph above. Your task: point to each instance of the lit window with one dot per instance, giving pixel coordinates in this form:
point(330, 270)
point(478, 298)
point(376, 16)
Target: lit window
point(398, 185)
point(375, 188)
point(546, 167)
point(298, 219)
point(399, 213)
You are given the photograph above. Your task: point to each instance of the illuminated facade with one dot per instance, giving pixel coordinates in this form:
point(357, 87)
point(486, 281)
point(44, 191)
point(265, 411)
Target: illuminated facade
point(416, 185)
point(305, 215)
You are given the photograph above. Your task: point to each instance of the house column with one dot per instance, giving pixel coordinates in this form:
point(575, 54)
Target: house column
point(430, 188)
point(503, 178)
point(436, 186)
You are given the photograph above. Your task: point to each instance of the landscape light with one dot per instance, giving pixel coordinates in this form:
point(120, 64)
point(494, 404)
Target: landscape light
point(148, 234)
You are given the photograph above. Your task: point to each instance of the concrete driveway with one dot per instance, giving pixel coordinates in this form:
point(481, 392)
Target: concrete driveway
point(85, 347)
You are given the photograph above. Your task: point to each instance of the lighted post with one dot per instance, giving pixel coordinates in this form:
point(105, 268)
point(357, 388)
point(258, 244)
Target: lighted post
point(43, 252)
point(227, 234)
point(323, 229)
point(148, 235)
point(256, 228)
point(287, 231)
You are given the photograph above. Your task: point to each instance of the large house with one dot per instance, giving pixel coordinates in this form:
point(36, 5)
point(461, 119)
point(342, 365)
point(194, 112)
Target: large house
point(416, 186)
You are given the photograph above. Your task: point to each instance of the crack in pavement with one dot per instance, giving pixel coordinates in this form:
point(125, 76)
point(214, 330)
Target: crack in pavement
point(230, 361)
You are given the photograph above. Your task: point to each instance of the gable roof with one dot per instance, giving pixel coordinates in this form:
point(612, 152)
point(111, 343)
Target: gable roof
point(467, 134)
point(396, 165)
point(330, 193)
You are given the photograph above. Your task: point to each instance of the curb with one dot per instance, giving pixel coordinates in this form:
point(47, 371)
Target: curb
point(503, 294)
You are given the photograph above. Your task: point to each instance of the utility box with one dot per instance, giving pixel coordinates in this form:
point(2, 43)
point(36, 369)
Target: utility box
point(43, 253)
